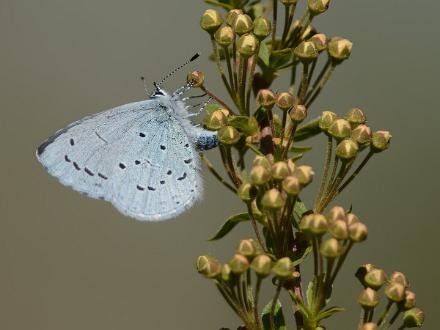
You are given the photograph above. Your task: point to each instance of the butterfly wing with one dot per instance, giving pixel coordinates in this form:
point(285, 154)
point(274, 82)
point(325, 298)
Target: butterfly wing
point(136, 156)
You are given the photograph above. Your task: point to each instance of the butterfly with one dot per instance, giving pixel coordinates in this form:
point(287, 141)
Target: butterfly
point(142, 157)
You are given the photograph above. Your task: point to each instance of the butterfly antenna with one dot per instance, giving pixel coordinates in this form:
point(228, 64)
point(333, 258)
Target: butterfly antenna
point(193, 58)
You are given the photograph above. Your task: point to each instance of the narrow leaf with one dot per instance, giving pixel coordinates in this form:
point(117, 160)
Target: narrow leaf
point(230, 223)
point(311, 292)
point(298, 259)
point(300, 149)
point(300, 208)
point(280, 324)
point(329, 312)
point(308, 130)
point(279, 58)
point(264, 54)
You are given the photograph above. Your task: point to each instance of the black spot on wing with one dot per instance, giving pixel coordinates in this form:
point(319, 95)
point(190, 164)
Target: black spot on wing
point(102, 176)
point(67, 159)
point(122, 166)
point(75, 164)
point(142, 134)
point(137, 162)
point(162, 182)
point(88, 171)
point(140, 188)
point(182, 177)
point(151, 188)
point(187, 161)
point(163, 147)
point(169, 172)
point(72, 142)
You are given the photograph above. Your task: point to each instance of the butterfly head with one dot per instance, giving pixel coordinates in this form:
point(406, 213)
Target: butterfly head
point(158, 91)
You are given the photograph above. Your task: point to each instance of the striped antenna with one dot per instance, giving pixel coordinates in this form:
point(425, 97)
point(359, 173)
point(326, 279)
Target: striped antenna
point(193, 58)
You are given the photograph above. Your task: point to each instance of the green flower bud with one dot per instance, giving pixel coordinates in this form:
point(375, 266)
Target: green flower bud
point(368, 298)
point(247, 192)
point(232, 16)
point(283, 268)
point(347, 150)
point(358, 232)
point(243, 24)
point(196, 78)
point(409, 301)
point(262, 28)
point(291, 165)
point(331, 248)
point(339, 49)
point(280, 170)
point(326, 120)
point(375, 278)
point(298, 113)
point(340, 129)
point(228, 135)
point(272, 199)
point(395, 291)
point(320, 41)
point(224, 36)
point(355, 117)
point(263, 161)
point(208, 266)
point(259, 175)
point(247, 45)
point(318, 224)
point(226, 273)
point(215, 120)
point(352, 219)
point(336, 213)
point(304, 224)
point(239, 264)
point(413, 318)
point(211, 20)
point(369, 326)
point(362, 271)
point(361, 134)
point(304, 174)
point(339, 229)
point(285, 101)
point(266, 98)
point(399, 277)
point(247, 248)
point(306, 51)
point(317, 7)
point(291, 185)
point(262, 265)
point(380, 141)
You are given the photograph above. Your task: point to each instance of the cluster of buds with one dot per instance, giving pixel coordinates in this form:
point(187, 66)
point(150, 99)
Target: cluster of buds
point(397, 292)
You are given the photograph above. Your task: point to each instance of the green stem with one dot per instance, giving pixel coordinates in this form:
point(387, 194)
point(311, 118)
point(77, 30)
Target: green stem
point(257, 295)
point(274, 22)
point(286, 24)
point(274, 302)
point(385, 313)
point(243, 66)
point(251, 79)
point(220, 68)
point(255, 227)
point(356, 172)
point(216, 174)
point(328, 157)
point(340, 263)
point(304, 83)
point(217, 99)
point(315, 257)
point(229, 65)
point(315, 92)
point(394, 317)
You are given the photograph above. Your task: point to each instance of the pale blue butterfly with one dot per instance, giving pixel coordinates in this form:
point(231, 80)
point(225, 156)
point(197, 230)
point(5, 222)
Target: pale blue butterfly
point(143, 157)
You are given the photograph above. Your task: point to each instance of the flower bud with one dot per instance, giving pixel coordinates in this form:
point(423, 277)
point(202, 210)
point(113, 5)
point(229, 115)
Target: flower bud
point(361, 134)
point(259, 175)
point(352, 219)
point(232, 16)
point(196, 78)
point(298, 113)
point(399, 277)
point(409, 301)
point(375, 278)
point(317, 7)
point(211, 20)
point(339, 49)
point(339, 229)
point(266, 98)
point(262, 265)
point(318, 224)
point(272, 199)
point(239, 264)
point(369, 326)
point(263, 161)
point(304, 174)
point(358, 232)
point(280, 170)
point(228, 135)
point(243, 24)
point(368, 298)
point(226, 273)
point(331, 248)
point(380, 141)
point(362, 271)
point(304, 224)
point(326, 120)
point(262, 28)
point(283, 268)
point(347, 149)
point(208, 266)
point(215, 120)
point(306, 51)
point(285, 101)
point(320, 41)
point(247, 192)
point(395, 291)
point(413, 318)
point(291, 165)
point(247, 248)
point(247, 45)
point(336, 213)
point(355, 117)
point(340, 129)
point(224, 36)
point(291, 185)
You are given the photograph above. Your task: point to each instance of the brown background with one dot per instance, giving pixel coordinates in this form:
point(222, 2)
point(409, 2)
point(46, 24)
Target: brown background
point(68, 262)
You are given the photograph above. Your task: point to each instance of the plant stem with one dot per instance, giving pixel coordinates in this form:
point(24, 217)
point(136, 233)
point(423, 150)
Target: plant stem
point(274, 22)
point(257, 295)
point(254, 225)
point(316, 91)
point(340, 262)
point(286, 24)
point(225, 152)
point(328, 157)
point(220, 68)
point(243, 67)
point(216, 174)
point(228, 63)
point(217, 99)
point(274, 302)
point(356, 172)
point(251, 79)
point(385, 313)
point(394, 317)
point(304, 83)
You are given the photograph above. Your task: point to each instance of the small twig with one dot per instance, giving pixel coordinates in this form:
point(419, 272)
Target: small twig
point(274, 302)
point(217, 99)
point(356, 172)
point(216, 174)
point(328, 157)
point(254, 225)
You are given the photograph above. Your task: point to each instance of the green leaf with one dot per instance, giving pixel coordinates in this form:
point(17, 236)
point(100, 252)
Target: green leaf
point(280, 324)
point(300, 208)
point(298, 258)
point(264, 54)
point(230, 223)
point(254, 149)
point(210, 108)
point(326, 313)
point(278, 58)
point(311, 292)
point(300, 149)
point(308, 130)
point(300, 305)
point(256, 10)
point(245, 124)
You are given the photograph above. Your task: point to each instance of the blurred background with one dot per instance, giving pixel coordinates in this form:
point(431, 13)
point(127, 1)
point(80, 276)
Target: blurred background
point(69, 262)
